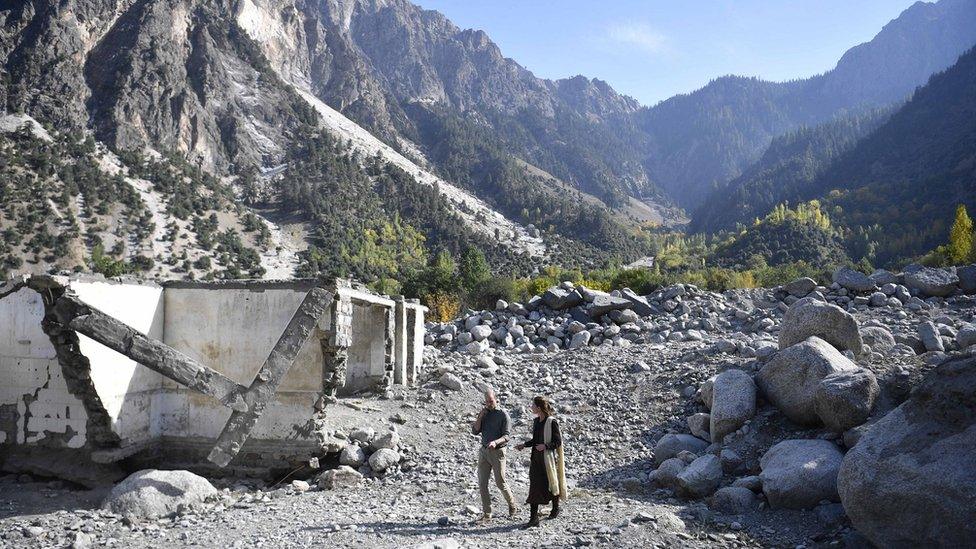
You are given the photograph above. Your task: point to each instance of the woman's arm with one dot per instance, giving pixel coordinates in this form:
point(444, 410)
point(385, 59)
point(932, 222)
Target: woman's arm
point(557, 439)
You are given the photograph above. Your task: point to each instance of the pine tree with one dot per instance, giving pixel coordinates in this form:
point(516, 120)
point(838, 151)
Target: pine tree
point(961, 237)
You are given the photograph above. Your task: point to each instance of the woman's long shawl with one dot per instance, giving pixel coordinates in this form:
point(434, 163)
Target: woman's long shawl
point(555, 464)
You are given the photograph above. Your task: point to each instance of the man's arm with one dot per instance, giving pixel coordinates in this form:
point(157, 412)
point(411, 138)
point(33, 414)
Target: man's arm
point(476, 425)
point(506, 425)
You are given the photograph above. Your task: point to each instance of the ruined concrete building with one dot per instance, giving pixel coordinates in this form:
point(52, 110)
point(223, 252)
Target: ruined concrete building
point(93, 372)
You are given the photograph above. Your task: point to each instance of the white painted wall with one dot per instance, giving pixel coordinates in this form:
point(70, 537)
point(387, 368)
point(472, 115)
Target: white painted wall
point(125, 387)
point(29, 368)
point(367, 355)
point(233, 331)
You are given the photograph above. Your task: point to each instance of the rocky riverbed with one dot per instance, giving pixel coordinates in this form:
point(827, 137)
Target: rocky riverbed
point(685, 426)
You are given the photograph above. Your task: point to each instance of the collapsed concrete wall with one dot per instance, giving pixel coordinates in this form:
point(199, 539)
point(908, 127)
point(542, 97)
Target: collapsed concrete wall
point(63, 390)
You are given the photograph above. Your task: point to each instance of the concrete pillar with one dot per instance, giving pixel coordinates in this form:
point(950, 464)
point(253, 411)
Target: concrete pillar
point(400, 341)
point(416, 331)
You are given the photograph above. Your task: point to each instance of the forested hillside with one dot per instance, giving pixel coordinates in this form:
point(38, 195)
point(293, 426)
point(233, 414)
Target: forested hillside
point(787, 168)
point(903, 182)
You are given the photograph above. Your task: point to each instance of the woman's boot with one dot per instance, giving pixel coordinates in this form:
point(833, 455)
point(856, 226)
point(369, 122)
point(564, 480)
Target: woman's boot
point(555, 509)
point(533, 518)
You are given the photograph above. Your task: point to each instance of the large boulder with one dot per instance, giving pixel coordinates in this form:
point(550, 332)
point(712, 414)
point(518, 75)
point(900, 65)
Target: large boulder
point(911, 479)
point(791, 378)
point(559, 298)
point(845, 399)
point(152, 494)
point(733, 403)
point(637, 303)
point(604, 303)
point(854, 281)
point(701, 477)
point(809, 317)
point(932, 282)
point(672, 444)
point(800, 287)
point(799, 474)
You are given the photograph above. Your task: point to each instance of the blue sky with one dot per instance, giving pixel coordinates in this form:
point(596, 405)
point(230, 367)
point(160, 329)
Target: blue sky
point(653, 49)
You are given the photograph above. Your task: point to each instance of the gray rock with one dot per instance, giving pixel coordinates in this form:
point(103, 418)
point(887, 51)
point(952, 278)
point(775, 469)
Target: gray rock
point(559, 298)
point(340, 478)
point(701, 477)
point(808, 317)
point(383, 459)
point(799, 474)
point(881, 277)
point(152, 494)
point(854, 281)
point(624, 316)
point(878, 299)
point(753, 483)
point(698, 424)
point(845, 399)
point(604, 303)
point(479, 333)
point(671, 444)
point(930, 337)
point(666, 475)
point(580, 339)
point(966, 336)
point(932, 282)
point(637, 303)
point(911, 481)
point(831, 514)
point(451, 381)
point(879, 339)
point(733, 402)
point(967, 278)
point(352, 455)
point(800, 287)
point(390, 439)
point(705, 392)
point(791, 378)
point(733, 500)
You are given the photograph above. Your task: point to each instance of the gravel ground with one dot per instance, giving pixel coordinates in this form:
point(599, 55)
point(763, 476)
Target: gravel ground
point(614, 404)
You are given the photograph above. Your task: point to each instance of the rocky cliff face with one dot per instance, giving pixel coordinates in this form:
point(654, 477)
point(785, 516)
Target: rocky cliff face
point(227, 84)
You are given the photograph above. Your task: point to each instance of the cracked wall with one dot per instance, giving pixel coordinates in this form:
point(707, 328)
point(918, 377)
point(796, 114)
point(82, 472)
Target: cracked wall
point(37, 406)
point(77, 393)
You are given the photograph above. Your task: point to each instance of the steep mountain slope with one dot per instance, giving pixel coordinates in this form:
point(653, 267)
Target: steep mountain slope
point(903, 181)
point(66, 203)
point(790, 164)
point(702, 140)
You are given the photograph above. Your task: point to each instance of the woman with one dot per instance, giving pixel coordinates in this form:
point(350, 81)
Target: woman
point(547, 479)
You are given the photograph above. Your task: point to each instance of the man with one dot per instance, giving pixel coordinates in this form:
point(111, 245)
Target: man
point(493, 425)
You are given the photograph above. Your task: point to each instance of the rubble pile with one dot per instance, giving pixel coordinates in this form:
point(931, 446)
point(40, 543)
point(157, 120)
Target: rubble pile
point(568, 316)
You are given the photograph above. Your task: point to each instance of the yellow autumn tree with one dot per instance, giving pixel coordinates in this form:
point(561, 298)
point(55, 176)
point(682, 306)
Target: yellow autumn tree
point(961, 237)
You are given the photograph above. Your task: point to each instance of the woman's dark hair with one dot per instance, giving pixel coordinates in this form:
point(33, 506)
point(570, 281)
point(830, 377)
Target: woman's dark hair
point(543, 404)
